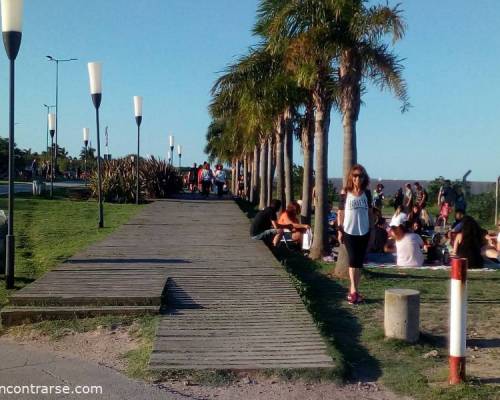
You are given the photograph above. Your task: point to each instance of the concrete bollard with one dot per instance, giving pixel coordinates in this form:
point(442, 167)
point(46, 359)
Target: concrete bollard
point(402, 314)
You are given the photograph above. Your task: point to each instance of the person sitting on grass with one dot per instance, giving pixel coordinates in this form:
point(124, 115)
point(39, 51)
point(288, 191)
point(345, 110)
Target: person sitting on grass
point(265, 225)
point(470, 240)
point(380, 237)
point(290, 217)
point(406, 245)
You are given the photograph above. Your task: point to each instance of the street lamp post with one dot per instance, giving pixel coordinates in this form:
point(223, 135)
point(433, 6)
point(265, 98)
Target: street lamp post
point(57, 61)
point(86, 137)
point(52, 128)
point(138, 120)
point(171, 157)
point(179, 152)
point(95, 78)
point(48, 111)
point(12, 18)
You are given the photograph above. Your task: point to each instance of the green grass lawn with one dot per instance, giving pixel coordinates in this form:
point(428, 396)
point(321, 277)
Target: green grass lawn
point(49, 231)
point(356, 334)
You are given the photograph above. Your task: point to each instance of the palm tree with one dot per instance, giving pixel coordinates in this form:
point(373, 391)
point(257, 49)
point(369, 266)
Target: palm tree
point(253, 93)
point(364, 56)
point(301, 30)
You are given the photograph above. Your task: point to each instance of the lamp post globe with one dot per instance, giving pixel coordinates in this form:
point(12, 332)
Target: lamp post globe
point(12, 24)
point(138, 100)
point(95, 80)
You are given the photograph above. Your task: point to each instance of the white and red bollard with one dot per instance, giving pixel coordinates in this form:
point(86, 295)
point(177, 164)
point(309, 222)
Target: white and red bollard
point(458, 320)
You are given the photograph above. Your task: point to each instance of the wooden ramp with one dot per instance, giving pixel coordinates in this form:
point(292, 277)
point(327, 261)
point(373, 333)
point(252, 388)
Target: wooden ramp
point(230, 305)
point(119, 275)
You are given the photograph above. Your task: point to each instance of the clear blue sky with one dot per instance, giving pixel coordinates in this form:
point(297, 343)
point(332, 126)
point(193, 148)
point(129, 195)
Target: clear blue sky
point(170, 51)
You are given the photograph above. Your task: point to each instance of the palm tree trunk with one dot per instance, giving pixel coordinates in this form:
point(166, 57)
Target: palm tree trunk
point(270, 170)
point(233, 172)
point(321, 126)
point(350, 84)
point(350, 147)
point(280, 175)
point(245, 176)
point(308, 149)
point(263, 175)
point(254, 192)
point(288, 158)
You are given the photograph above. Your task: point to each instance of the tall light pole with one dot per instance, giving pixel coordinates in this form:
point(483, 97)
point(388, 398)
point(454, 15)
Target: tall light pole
point(95, 78)
point(179, 152)
point(86, 137)
point(171, 157)
point(12, 22)
point(51, 119)
point(138, 119)
point(57, 61)
point(48, 111)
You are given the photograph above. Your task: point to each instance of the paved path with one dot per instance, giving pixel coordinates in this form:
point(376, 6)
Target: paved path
point(231, 305)
point(26, 365)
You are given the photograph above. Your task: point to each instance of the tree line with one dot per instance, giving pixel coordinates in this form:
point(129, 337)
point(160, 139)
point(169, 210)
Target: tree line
point(312, 57)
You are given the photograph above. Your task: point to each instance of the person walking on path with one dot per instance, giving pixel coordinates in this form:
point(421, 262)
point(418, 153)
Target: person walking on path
point(220, 180)
point(193, 178)
point(201, 167)
point(206, 177)
point(355, 223)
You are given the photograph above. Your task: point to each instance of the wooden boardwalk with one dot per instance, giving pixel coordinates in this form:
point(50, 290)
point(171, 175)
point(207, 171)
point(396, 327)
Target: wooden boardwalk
point(226, 302)
point(231, 305)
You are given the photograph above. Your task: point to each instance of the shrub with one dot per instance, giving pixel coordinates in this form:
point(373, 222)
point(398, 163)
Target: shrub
point(482, 207)
point(158, 180)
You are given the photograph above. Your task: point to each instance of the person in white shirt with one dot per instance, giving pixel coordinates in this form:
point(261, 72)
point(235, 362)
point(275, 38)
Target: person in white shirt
point(407, 245)
point(355, 223)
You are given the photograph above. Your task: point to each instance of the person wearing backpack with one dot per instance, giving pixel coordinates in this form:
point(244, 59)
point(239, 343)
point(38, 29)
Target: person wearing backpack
point(220, 180)
point(206, 179)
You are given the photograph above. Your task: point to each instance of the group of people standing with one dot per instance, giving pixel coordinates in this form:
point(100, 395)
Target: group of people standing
point(202, 179)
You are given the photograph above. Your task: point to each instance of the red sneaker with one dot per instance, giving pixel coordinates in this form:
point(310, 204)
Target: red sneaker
point(352, 298)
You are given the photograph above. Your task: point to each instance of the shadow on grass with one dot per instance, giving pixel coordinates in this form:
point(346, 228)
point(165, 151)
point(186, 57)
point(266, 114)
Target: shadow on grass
point(325, 300)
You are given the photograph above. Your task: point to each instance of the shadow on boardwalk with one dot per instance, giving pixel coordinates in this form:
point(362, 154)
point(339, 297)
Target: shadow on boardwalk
point(325, 298)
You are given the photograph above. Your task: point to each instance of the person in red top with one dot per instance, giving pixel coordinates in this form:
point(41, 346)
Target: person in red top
point(290, 217)
point(200, 172)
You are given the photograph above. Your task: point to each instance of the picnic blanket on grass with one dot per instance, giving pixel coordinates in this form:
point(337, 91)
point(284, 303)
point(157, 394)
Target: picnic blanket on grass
point(389, 261)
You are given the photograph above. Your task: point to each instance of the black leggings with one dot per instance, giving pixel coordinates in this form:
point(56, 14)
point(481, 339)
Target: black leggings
point(356, 247)
point(206, 187)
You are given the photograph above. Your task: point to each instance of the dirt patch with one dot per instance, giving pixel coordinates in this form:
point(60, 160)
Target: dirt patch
point(104, 346)
point(483, 337)
point(269, 389)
